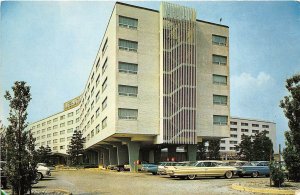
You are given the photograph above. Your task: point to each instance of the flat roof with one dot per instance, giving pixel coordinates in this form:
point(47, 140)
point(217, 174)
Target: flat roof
point(251, 119)
point(153, 10)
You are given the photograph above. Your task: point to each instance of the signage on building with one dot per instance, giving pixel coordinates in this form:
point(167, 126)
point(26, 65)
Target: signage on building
point(72, 103)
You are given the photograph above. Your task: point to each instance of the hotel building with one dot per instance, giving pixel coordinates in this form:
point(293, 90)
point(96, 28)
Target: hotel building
point(159, 80)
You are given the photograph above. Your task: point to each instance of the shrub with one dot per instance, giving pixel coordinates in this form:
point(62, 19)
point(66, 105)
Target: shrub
point(277, 174)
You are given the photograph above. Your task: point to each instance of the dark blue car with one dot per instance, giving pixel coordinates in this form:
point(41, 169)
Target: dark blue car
point(254, 169)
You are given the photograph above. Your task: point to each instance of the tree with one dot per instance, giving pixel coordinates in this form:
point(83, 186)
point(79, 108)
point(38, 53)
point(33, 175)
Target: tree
point(44, 154)
point(214, 149)
point(291, 107)
point(76, 147)
point(20, 167)
point(262, 147)
point(2, 142)
point(245, 148)
point(201, 153)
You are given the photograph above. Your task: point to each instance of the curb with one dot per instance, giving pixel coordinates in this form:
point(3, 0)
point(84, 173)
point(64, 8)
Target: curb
point(236, 186)
point(60, 191)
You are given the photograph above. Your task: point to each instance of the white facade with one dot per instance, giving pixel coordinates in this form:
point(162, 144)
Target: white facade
point(240, 126)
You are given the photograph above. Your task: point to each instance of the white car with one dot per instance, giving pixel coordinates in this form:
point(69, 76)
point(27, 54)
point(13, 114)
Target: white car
point(42, 172)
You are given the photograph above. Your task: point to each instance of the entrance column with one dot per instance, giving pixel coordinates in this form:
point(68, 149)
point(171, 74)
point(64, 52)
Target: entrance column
point(191, 152)
point(133, 153)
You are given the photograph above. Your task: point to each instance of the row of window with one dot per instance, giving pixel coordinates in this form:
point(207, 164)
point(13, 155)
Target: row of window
point(246, 124)
point(253, 131)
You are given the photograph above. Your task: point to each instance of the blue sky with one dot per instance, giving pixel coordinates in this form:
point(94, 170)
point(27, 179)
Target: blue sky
point(52, 46)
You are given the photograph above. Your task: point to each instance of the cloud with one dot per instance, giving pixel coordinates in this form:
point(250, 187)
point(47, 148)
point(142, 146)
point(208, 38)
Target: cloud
point(246, 80)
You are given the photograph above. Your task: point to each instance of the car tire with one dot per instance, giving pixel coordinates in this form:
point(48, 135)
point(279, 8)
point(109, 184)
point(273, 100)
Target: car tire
point(39, 176)
point(154, 173)
point(228, 174)
point(182, 177)
point(254, 174)
point(191, 177)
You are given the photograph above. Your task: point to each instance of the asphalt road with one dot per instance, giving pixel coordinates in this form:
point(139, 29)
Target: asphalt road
point(92, 182)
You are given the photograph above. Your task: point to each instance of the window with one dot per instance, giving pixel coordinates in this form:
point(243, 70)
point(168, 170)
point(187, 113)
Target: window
point(69, 138)
point(77, 111)
point(38, 132)
point(98, 80)
point(55, 141)
point(128, 45)
point(77, 120)
point(38, 138)
point(267, 132)
point(233, 129)
point(38, 126)
point(62, 124)
point(62, 139)
point(62, 147)
point(244, 124)
point(128, 90)
point(255, 131)
point(98, 96)
point(97, 65)
point(62, 132)
point(70, 130)
point(92, 119)
point(48, 142)
point(49, 135)
point(62, 117)
point(33, 127)
point(92, 105)
point(233, 123)
point(104, 123)
point(220, 99)
point(233, 142)
point(244, 130)
point(97, 112)
point(105, 46)
point(219, 79)
point(55, 126)
point(255, 125)
point(55, 148)
point(233, 135)
point(70, 122)
point(104, 66)
point(97, 128)
point(49, 122)
point(104, 85)
point(44, 136)
point(43, 130)
point(44, 123)
point(220, 60)
point(49, 128)
point(265, 126)
point(222, 141)
point(222, 148)
point(55, 120)
point(128, 22)
point(128, 67)
point(232, 148)
point(92, 78)
point(55, 133)
point(104, 103)
point(220, 120)
point(128, 113)
point(92, 133)
point(92, 91)
point(219, 40)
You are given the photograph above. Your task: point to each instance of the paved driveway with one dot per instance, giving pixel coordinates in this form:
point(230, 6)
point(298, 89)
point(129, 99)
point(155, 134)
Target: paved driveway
point(90, 182)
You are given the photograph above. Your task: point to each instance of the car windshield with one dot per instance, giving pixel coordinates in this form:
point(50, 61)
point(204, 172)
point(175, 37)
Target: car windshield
point(192, 163)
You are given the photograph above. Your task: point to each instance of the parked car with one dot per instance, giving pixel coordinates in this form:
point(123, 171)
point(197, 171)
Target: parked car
point(111, 167)
point(162, 168)
point(254, 169)
point(204, 169)
point(3, 175)
point(149, 167)
point(180, 165)
point(46, 165)
point(42, 172)
point(125, 167)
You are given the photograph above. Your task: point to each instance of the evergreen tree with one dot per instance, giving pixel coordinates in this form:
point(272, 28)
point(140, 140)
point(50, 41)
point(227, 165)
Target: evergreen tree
point(201, 153)
point(76, 147)
point(44, 154)
point(245, 148)
point(214, 149)
point(291, 108)
point(2, 143)
point(262, 147)
point(20, 167)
